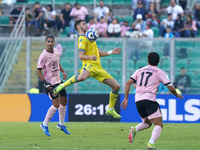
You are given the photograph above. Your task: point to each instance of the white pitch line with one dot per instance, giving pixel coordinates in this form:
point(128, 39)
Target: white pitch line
point(15, 147)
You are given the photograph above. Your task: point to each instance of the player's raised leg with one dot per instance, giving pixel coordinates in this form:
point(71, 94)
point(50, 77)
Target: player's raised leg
point(133, 130)
point(155, 133)
point(113, 97)
point(62, 112)
point(52, 110)
point(74, 79)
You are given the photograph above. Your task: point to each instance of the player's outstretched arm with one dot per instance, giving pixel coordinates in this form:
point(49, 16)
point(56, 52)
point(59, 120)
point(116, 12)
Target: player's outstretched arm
point(173, 91)
point(82, 56)
point(107, 53)
point(63, 72)
point(124, 103)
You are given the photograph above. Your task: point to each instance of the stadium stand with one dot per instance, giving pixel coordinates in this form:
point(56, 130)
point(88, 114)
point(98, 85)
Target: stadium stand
point(130, 65)
point(105, 64)
point(94, 87)
point(194, 54)
point(82, 87)
point(4, 20)
point(140, 63)
point(143, 54)
point(31, 2)
point(180, 64)
point(113, 63)
point(166, 65)
point(194, 65)
point(194, 88)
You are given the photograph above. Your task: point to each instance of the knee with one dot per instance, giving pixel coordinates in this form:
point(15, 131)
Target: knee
point(64, 102)
point(159, 124)
point(116, 88)
point(150, 124)
point(56, 102)
point(11, 22)
point(81, 78)
point(56, 105)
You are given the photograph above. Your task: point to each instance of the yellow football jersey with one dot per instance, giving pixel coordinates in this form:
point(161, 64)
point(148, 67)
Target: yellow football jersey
point(90, 48)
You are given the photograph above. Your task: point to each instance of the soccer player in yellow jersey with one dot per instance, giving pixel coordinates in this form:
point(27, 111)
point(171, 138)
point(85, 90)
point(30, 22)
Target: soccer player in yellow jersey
point(91, 67)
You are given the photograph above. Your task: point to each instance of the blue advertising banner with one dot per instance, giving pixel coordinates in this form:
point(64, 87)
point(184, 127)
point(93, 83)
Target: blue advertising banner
point(40, 104)
point(174, 110)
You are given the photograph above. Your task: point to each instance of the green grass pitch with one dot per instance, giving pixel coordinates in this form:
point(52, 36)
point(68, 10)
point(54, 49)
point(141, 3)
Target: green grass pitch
point(95, 136)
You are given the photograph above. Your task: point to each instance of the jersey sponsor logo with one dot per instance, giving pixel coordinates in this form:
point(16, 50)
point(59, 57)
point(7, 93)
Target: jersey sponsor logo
point(55, 64)
point(54, 70)
point(144, 91)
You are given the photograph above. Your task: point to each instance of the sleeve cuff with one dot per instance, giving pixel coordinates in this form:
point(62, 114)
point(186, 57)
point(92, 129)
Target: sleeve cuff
point(39, 68)
point(167, 83)
point(133, 79)
point(81, 50)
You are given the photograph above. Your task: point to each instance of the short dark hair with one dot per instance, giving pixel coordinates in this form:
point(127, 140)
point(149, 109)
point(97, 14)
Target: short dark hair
point(77, 23)
point(76, 4)
point(50, 6)
point(67, 4)
point(182, 68)
point(149, 25)
point(153, 58)
point(50, 36)
point(169, 14)
point(36, 3)
point(169, 27)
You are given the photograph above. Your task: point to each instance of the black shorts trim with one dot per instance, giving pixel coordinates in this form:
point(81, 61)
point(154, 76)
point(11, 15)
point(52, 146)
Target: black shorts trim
point(51, 95)
point(146, 107)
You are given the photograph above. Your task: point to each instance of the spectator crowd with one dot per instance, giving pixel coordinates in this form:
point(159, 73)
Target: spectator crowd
point(178, 23)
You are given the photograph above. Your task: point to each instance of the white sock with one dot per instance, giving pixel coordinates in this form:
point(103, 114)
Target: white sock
point(45, 124)
point(61, 123)
point(136, 129)
point(151, 141)
point(110, 108)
